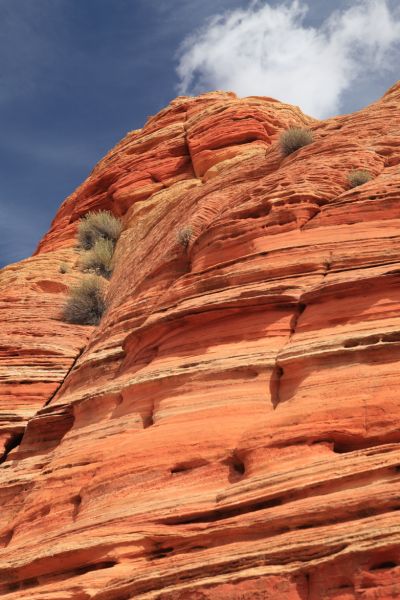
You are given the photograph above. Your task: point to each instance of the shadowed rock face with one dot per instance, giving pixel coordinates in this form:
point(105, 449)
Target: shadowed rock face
point(231, 429)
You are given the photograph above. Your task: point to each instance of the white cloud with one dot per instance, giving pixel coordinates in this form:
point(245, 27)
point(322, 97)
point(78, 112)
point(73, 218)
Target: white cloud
point(271, 51)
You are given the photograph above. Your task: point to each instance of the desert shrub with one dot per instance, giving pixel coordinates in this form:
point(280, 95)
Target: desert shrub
point(294, 138)
point(184, 235)
point(85, 304)
point(63, 268)
point(97, 225)
point(99, 258)
point(358, 177)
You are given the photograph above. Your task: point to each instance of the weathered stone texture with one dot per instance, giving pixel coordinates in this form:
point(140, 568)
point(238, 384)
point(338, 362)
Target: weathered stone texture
point(230, 430)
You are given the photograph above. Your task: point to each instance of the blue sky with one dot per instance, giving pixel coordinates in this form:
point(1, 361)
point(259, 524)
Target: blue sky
point(76, 75)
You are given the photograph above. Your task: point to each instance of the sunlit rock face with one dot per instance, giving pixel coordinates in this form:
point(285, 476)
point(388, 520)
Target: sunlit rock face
point(231, 429)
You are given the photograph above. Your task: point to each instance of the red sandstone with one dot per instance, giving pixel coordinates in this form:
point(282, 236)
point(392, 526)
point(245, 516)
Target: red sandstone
point(231, 429)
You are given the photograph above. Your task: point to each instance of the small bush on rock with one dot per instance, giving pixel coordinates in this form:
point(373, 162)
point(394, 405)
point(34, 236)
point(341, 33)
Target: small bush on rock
point(294, 138)
point(63, 268)
point(358, 177)
point(99, 258)
point(97, 225)
point(184, 236)
point(85, 305)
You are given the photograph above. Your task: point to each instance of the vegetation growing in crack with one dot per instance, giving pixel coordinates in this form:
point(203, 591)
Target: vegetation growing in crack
point(98, 259)
point(64, 268)
point(97, 235)
point(98, 225)
point(86, 303)
point(184, 236)
point(294, 138)
point(358, 177)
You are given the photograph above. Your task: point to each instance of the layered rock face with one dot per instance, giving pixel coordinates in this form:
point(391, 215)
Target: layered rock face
point(230, 430)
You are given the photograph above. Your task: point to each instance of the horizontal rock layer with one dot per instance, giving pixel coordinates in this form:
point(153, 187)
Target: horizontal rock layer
point(231, 428)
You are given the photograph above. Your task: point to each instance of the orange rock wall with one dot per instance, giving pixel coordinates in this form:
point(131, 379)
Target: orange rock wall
point(230, 430)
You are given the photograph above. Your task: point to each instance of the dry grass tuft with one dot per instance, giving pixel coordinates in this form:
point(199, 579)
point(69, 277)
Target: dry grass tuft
point(98, 225)
point(98, 259)
point(184, 236)
point(358, 177)
point(85, 305)
point(294, 138)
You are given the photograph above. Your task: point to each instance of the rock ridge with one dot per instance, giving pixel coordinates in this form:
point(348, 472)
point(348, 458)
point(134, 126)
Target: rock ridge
point(231, 427)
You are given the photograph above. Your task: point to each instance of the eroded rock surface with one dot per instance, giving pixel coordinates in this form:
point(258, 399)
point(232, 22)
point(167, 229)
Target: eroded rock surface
point(230, 430)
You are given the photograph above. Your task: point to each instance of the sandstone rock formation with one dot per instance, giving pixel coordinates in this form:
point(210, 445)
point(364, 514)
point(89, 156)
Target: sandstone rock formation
point(230, 430)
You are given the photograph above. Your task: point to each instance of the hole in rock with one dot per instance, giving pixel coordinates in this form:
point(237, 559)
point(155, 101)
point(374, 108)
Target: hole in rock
point(160, 553)
point(342, 447)
point(306, 526)
point(180, 469)
point(21, 585)
point(6, 538)
point(12, 443)
point(221, 514)
point(45, 511)
point(274, 385)
point(351, 343)
point(76, 502)
point(383, 565)
point(196, 548)
point(301, 307)
point(27, 583)
point(237, 468)
point(366, 341)
point(148, 421)
point(75, 572)
point(256, 213)
point(183, 467)
point(345, 586)
point(107, 564)
point(391, 337)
